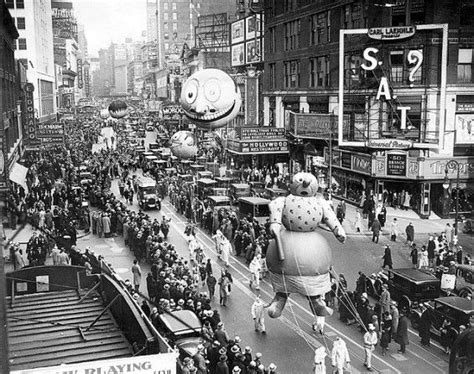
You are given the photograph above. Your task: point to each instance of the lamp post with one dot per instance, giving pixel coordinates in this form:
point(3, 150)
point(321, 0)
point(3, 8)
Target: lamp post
point(453, 164)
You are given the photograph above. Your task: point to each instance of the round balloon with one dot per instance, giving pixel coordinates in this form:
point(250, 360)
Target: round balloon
point(104, 113)
point(184, 144)
point(210, 98)
point(118, 109)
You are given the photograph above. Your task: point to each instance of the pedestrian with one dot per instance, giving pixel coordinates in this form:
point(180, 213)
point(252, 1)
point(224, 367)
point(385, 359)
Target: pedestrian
point(385, 299)
point(387, 258)
point(370, 340)
point(199, 360)
point(424, 258)
point(137, 275)
point(224, 285)
point(386, 332)
point(382, 216)
point(258, 315)
point(18, 261)
point(319, 363)
point(424, 325)
point(255, 268)
point(431, 251)
point(211, 282)
point(414, 256)
point(63, 258)
point(222, 367)
point(402, 332)
point(410, 231)
point(358, 221)
point(376, 227)
point(394, 230)
point(341, 211)
point(221, 335)
point(340, 359)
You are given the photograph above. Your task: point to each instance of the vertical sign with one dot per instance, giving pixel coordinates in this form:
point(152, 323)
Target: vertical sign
point(79, 73)
point(29, 125)
point(87, 81)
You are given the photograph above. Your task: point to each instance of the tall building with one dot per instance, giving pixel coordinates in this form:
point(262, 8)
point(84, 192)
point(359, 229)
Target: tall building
point(10, 123)
point(34, 48)
point(394, 99)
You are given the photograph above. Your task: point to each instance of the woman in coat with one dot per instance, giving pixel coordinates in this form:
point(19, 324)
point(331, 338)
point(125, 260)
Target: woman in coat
point(402, 332)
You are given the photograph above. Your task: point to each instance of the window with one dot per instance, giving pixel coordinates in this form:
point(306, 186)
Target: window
point(271, 39)
point(167, 46)
point(10, 4)
point(321, 28)
point(319, 72)
point(165, 6)
point(165, 25)
point(46, 97)
point(271, 68)
point(20, 4)
point(292, 31)
point(396, 66)
point(175, 17)
point(174, 6)
point(292, 74)
point(165, 16)
point(289, 5)
point(21, 43)
point(465, 65)
point(353, 18)
point(175, 26)
point(20, 23)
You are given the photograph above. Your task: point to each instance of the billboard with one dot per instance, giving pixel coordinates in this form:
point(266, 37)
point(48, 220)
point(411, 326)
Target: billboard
point(246, 40)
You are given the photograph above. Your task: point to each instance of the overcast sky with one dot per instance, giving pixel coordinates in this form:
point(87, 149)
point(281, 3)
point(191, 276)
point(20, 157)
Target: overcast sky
point(108, 21)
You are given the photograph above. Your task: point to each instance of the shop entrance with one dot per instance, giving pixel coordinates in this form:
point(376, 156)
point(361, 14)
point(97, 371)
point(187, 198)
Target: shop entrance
point(400, 195)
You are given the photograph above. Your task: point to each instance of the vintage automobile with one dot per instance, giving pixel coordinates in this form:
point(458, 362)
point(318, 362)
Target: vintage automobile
point(257, 188)
point(464, 280)
point(273, 193)
point(182, 328)
point(257, 207)
point(147, 198)
point(204, 187)
point(457, 310)
point(411, 286)
point(238, 190)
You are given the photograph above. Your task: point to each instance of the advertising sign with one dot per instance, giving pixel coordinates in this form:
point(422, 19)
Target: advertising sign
point(311, 125)
point(391, 33)
point(253, 24)
point(29, 122)
point(464, 128)
point(80, 81)
point(87, 82)
point(237, 32)
point(390, 143)
point(163, 363)
point(238, 55)
point(361, 163)
point(253, 51)
point(265, 146)
point(396, 164)
point(257, 133)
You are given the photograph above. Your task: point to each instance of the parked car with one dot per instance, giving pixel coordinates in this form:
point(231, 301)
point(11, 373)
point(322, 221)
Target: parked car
point(182, 328)
point(457, 310)
point(464, 280)
point(412, 286)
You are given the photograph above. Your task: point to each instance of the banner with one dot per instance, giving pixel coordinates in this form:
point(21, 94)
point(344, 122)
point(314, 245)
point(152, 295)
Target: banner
point(162, 363)
point(18, 175)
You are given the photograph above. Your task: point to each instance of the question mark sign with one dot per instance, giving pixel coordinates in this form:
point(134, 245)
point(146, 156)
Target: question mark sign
point(414, 57)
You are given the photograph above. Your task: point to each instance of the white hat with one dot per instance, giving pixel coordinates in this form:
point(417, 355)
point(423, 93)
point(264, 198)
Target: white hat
point(371, 327)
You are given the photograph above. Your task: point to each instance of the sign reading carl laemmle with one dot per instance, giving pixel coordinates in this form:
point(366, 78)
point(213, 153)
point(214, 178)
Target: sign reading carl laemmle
point(163, 363)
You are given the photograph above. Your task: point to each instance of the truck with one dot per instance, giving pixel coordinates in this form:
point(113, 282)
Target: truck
point(147, 197)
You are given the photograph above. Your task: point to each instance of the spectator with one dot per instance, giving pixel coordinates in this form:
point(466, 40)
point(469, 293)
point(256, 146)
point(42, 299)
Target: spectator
point(424, 325)
point(376, 227)
point(402, 332)
point(410, 231)
point(414, 256)
point(137, 275)
point(394, 230)
point(386, 332)
point(63, 258)
point(387, 258)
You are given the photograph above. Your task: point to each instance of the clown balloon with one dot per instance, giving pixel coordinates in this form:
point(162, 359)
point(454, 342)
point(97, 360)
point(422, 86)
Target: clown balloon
point(299, 259)
point(118, 109)
point(104, 113)
point(183, 144)
point(210, 98)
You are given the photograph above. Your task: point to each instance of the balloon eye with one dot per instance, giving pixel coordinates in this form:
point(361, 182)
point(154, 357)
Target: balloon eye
point(212, 90)
point(191, 92)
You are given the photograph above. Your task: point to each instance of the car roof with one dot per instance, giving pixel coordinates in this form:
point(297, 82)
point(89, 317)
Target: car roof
point(207, 181)
point(466, 267)
point(219, 199)
point(241, 185)
point(181, 321)
point(254, 200)
point(415, 275)
point(456, 302)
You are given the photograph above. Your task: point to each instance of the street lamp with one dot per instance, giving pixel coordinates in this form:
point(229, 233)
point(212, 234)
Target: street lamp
point(453, 164)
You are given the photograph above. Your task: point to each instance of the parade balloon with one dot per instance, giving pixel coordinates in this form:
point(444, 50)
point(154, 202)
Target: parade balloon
point(118, 109)
point(184, 144)
point(299, 258)
point(104, 113)
point(210, 98)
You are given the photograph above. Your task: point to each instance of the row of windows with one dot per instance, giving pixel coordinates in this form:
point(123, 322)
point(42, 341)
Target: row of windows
point(20, 4)
point(166, 26)
point(173, 15)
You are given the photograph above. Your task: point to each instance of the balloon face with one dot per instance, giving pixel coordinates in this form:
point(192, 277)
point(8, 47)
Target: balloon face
point(104, 113)
point(210, 98)
point(304, 184)
point(183, 144)
point(118, 109)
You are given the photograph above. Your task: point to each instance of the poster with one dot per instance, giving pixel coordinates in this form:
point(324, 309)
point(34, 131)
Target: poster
point(397, 164)
point(237, 53)
point(253, 25)
point(465, 128)
point(237, 32)
point(253, 51)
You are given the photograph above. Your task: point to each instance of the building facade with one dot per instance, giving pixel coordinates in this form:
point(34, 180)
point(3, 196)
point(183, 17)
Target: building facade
point(10, 116)
point(379, 108)
point(34, 48)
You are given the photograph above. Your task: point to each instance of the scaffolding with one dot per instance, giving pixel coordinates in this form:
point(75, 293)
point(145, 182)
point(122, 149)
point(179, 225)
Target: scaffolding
point(212, 33)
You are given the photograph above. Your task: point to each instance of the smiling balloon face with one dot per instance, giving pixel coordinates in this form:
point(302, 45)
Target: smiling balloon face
point(210, 98)
point(183, 144)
